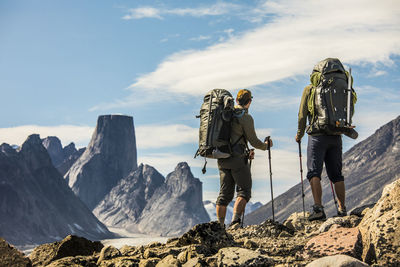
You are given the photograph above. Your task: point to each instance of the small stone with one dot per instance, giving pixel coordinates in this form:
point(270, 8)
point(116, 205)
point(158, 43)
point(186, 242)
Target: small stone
point(108, 252)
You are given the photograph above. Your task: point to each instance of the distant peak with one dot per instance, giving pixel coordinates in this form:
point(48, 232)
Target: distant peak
point(33, 139)
point(182, 165)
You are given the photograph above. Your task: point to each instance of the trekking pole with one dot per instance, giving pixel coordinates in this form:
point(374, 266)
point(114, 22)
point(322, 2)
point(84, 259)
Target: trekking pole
point(334, 198)
point(302, 184)
point(245, 206)
point(348, 97)
point(270, 175)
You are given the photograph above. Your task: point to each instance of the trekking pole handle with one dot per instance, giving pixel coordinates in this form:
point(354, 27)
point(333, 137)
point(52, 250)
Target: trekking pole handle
point(299, 148)
point(269, 143)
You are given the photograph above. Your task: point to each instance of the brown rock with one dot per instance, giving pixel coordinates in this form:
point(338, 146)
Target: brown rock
point(380, 229)
point(69, 246)
point(108, 252)
point(234, 256)
point(151, 262)
point(10, 256)
point(168, 261)
point(77, 261)
point(337, 261)
point(338, 240)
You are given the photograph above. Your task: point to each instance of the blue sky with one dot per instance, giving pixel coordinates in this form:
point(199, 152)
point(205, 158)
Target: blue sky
point(64, 63)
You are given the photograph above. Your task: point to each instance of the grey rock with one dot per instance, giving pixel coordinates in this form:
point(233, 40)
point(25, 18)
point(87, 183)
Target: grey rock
point(108, 252)
point(234, 256)
point(124, 204)
point(337, 261)
point(367, 167)
point(110, 156)
point(37, 206)
point(176, 206)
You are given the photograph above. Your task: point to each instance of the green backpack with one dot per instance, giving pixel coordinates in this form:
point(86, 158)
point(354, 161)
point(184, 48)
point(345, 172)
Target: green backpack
point(328, 99)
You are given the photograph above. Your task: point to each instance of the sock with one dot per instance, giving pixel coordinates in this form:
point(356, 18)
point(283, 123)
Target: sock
point(221, 221)
point(236, 216)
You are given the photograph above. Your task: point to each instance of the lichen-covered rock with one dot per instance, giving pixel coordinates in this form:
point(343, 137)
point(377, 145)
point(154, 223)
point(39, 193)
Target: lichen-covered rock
point(169, 261)
point(10, 256)
point(337, 261)
point(108, 252)
point(380, 228)
point(77, 261)
point(338, 240)
point(296, 221)
point(360, 211)
point(233, 256)
point(210, 235)
point(347, 221)
point(151, 262)
point(69, 246)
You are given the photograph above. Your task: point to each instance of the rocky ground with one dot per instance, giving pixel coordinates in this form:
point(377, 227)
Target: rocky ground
point(370, 237)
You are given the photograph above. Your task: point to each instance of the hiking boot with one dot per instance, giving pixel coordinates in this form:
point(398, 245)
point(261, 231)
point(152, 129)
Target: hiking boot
point(317, 214)
point(342, 212)
point(235, 224)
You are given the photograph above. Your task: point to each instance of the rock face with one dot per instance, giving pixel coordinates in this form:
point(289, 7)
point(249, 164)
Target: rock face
point(110, 156)
point(144, 201)
point(36, 204)
point(9, 256)
point(123, 206)
point(367, 167)
point(380, 228)
point(175, 206)
point(62, 158)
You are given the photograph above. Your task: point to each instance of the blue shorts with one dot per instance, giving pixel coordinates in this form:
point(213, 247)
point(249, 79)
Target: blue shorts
point(328, 149)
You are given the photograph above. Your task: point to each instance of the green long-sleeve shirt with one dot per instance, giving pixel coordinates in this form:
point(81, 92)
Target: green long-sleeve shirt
point(303, 111)
point(244, 126)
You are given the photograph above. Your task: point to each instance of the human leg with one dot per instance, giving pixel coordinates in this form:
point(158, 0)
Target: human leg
point(242, 178)
point(333, 163)
point(226, 193)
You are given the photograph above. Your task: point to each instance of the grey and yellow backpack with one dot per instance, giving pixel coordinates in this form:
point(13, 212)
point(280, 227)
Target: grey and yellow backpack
point(329, 96)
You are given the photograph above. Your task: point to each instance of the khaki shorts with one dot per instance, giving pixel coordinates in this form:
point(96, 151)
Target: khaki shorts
point(234, 172)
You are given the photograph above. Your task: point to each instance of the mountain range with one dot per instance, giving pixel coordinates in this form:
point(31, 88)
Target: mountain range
point(36, 204)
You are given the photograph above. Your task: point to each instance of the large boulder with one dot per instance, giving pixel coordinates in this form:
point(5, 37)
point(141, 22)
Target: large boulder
point(337, 261)
point(338, 240)
point(380, 228)
point(68, 247)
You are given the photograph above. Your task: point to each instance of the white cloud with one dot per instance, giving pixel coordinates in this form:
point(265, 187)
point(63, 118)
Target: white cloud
point(217, 9)
point(80, 135)
point(143, 12)
point(158, 136)
point(200, 38)
point(289, 45)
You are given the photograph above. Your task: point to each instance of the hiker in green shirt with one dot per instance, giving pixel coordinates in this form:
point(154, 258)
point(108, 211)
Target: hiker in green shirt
point(323, 146)
point(235, 170)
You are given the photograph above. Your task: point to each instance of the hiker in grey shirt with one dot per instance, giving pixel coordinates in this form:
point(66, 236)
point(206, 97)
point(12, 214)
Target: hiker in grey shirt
point(235, 170)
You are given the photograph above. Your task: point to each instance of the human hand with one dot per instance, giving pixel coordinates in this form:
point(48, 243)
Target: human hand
point(298, 140)
point(251, 153)
point(268, 141)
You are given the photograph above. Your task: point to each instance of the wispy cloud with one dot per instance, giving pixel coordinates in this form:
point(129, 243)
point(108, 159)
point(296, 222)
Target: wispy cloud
point(200, 38)
point(287, 46)
point(217, 9)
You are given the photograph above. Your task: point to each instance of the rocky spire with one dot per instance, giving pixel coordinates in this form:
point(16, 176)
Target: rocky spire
point(110, 156)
